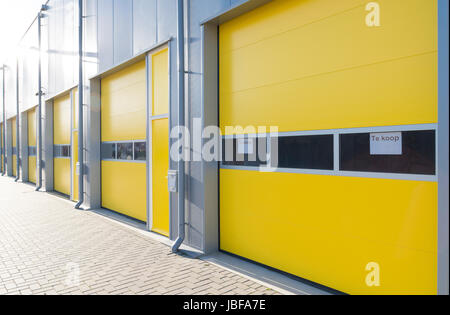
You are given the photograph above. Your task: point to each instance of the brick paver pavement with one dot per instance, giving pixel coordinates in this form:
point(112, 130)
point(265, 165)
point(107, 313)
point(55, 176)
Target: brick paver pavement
point(45, 244)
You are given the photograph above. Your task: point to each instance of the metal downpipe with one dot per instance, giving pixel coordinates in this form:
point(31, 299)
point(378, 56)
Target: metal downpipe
point(181, 123)
point(17, 124)
point(80, 107)
point(39, 109)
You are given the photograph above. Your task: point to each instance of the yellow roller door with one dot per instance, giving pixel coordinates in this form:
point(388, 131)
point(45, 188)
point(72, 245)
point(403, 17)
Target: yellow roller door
point(320, 54)
point(31, 116)
point(315, 65)
point(61, 137)
point(123, 120)
point(14, 144)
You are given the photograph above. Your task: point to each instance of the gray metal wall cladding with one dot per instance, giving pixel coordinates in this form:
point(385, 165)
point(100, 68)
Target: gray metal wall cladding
point(28, 69)
point(10, 88)
point(61, 26)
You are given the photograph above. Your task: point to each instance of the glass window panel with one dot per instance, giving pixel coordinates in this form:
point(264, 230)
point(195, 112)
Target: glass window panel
point(306, 152)
point(250, 151)
point(108, 151)
point(418, 154)
point(66, 151)
point(60, 151)
point(140, 151)
point(125, 151)
point(32, 151)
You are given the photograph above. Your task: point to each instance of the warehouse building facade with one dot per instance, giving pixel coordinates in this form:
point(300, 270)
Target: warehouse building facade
point(350, 192)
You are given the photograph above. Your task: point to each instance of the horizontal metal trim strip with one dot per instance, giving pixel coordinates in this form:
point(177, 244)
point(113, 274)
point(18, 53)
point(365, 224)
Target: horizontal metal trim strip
point(235, 11)
point(29, 109)
point(61, 93)
point(342, 131)
point(411, 177)
point(125, 141)
point(165, 116)
point(124, 161)
point(126, 63)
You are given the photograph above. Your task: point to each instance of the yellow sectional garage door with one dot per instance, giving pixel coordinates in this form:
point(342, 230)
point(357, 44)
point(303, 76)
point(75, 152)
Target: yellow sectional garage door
point(123, 118)
point(31, 116)
point(310, 65)
point(61, 141)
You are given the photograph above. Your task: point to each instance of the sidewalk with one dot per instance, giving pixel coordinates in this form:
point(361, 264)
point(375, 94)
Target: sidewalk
point(47, 247)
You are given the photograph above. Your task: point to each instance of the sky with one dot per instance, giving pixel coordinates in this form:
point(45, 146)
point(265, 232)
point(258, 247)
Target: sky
point(15, 18)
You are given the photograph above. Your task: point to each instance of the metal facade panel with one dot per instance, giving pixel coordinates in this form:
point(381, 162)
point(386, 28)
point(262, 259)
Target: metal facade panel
point(50, 47)
point(123, 30)
point(173, 114)
point(234, 3)
point(62, 45)
point(209, 99)
point(105, 29)
point(443, 157)
point(29, 68)
point(144, 24)
point(93, 152)
point(198, 10)
point(166, 19)
point(90, 41)
point(69, 50)
point(10, 89)
point(56, 46)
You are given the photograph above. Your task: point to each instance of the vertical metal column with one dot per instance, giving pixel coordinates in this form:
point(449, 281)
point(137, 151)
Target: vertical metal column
point(17, 123)
point(39, 109)
point(80, 107)
point(181, 123)
point(443, 148)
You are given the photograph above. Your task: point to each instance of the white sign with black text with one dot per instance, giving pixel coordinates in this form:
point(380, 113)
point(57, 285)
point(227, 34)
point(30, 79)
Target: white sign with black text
point(387, 143)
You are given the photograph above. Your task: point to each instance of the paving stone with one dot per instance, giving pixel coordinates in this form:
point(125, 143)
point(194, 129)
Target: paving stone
point(48, 248)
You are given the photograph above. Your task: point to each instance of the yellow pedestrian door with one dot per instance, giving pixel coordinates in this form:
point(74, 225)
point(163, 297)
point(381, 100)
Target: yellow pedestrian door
point(32, 148)
point(159, 130)
point(62, 107)
point(75, 187)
